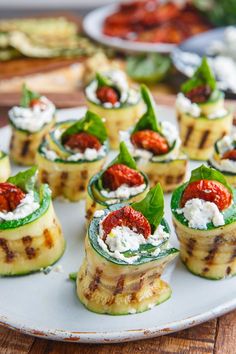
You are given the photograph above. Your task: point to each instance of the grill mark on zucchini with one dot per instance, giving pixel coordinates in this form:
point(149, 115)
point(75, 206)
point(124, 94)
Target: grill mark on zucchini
point(12, 141)
point(119, 285)
point(30, 252)
point(188, 134)
point(169, 179)
point(233, 256)
point(204, 139)
point(228, 270)
point(94, 283)
point(190, 246)
point(48, 239)
point(211, 255)
point(10, 255)
point(27, 240)
point(84, 174)
point(25, 148)
point(64, 177)
point(44, 177)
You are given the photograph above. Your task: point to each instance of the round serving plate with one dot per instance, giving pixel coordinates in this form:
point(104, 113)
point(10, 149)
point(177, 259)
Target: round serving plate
point(47, 306)
point(93, 25)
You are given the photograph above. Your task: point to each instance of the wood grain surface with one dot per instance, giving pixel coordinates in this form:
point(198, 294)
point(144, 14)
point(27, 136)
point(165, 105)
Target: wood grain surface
point(213, 337)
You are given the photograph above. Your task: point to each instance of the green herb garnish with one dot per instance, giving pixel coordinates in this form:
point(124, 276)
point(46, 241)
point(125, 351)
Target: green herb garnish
point(149, 119)
point(27, 96)
point(91, 124)
point(25, 180)
point(124, 157)
point(208, 173)
point(73, 276)
point(103, 80)
point(152, 206)
point(203, 76)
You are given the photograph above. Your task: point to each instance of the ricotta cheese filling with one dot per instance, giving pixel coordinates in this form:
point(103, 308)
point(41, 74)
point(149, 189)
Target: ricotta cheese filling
point(223, 145)
point(88, 154)
point(170, 132)
point(123, 192)
point(127, 95)
point(184, 105)
point(26, 207)
point(122, 239)
point(32, 119)
point(199, 213)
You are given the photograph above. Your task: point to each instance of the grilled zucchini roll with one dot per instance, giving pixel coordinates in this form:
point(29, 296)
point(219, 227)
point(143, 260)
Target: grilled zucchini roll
point(224, 158)
point(156, 147)
point(30, 234)
point(5, 169)
point(201, 114)
point(127, 250)
point(204, 216)
point(71, 154)
point(30, 122)
point(119, 182)
point(110, 96)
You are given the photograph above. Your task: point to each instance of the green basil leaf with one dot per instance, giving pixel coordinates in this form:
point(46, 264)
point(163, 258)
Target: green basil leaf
point(149, 119)
point(204, 172)
point(103, 80)
point(124, 157)
point(152, 206)
point(73, 276)
point(202, 76)
point(149, 68)
point(27, 96)
point(91, 124)
point(25, 180)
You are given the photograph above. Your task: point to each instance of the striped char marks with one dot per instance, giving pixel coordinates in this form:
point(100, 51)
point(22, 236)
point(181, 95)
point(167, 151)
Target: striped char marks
point(84, 174)
point(203, 140)
point(90, 210)
point(44, 177)
point(119, 285)
point(25, 148)
point(213, 251)
point(30, 251)
point(64, 178)
point(188, 135)
point(172, 179)
point(48, 238)
point(94, 283)
point(9, 255)
point(228, 270)
point(12, 141)
point(190, 246)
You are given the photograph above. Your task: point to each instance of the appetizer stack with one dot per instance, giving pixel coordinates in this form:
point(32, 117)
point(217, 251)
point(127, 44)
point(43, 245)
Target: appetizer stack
point(126, 252)
point(201, 113)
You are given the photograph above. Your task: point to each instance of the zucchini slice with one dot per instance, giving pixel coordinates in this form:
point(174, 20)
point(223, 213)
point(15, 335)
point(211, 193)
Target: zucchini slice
point(116, 286)
point(31, 242)
point(208, 253)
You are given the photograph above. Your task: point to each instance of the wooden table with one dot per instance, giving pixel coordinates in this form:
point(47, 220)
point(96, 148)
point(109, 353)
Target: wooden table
point(217, 336)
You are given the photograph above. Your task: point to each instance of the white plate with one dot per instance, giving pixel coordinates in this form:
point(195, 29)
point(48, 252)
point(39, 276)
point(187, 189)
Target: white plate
point(93, 25)
point(47, 306)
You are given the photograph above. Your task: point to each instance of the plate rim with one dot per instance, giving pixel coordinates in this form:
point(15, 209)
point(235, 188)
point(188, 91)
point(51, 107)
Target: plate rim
point(125, 45)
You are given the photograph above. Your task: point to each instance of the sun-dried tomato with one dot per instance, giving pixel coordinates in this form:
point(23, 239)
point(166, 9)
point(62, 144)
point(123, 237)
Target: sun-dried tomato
point(107, 94)
point(82, 141)
point(199, 94)
point(10, 196)
point(126, 216)
point(230, 155)
point(151, 141)
point(211, 191)
point(119, 174)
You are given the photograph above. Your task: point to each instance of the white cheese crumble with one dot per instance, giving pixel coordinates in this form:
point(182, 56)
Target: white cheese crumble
point(184, 105)
point(26, 207)
point(119, 78)
point(98, 213)
point(33, 119)
point(88, 154)
point(199, 213)
point(223, 145)
point(122, 239)
point(123, 192)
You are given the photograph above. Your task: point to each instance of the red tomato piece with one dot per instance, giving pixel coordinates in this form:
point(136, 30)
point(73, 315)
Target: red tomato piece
point(151, 141)
point(129, 217)
point(10, 196)
point(119, 174)
point(199, 94)
point(211, 191)
point(230, 155)
point(82, 141)
point(107, 94)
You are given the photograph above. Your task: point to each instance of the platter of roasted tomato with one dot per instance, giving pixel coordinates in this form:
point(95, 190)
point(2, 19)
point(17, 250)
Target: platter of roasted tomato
point(148, 25)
